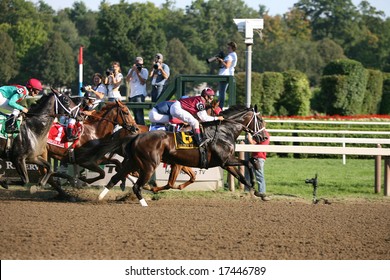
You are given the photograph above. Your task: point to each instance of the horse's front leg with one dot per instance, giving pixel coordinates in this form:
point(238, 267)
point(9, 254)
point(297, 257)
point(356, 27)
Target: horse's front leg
point(120, 175)
point(231, 167)
point(47, 166)
point(20, 166)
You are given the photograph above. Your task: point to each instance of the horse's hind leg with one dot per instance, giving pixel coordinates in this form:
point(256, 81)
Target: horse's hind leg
point(190, 172)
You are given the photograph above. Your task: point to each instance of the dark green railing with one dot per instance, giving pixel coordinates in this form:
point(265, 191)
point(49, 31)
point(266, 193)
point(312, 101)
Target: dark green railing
point(177, 88)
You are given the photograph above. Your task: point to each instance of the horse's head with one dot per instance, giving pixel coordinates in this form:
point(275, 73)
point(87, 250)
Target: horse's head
point(257, 126)
point(53, 103)
point(213, 108)
point(65, 105)
point(125, 119)
point(249, 118)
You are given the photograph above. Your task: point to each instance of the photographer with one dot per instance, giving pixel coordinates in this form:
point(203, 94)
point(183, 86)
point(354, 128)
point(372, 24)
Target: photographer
point(113, 81)
point(98, 88)
point(159, 74)
point(226, 68)
point(137, 77)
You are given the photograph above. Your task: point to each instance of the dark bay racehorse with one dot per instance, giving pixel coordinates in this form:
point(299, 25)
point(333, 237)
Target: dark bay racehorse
point(146, 151)
point(97, 126)
point(212, 109)
point(30, 143)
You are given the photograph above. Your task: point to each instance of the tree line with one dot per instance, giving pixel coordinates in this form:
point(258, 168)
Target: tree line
point(40, 42)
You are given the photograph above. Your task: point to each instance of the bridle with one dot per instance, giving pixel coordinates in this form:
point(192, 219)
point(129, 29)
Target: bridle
point(57, 105)
point(257, 129)
point(73, 112)
point(120, 114)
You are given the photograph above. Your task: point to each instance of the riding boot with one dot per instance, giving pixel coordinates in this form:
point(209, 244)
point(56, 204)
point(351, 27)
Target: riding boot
point(198, 139)
point(10, 124)
point(69, 134)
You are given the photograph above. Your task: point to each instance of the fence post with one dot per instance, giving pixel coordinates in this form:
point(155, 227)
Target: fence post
point(242, 167)
point(378, 171)
point(387, 170)
point(230, 181)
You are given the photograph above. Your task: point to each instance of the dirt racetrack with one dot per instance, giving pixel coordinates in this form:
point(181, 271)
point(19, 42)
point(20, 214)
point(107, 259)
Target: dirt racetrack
point(239, 227)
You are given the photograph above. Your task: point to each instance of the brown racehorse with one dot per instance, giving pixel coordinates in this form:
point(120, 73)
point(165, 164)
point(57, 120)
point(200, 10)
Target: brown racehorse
point(99, 125)
point(212, 110)
point(145, 151)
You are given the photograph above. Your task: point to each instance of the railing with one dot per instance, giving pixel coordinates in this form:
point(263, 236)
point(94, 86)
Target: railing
point(177, 88)
point(376, 151)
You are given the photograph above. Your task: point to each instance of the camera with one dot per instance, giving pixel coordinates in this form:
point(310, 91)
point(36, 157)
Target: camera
point(139, 67)
point(85, 88)
point(214, 58)
point(156, 65)
point(109, 71)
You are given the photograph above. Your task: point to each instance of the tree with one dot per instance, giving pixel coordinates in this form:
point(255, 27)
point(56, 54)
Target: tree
point(8, 61)
point(57, 65)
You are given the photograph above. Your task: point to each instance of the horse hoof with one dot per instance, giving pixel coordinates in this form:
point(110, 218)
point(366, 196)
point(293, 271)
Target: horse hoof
point(33, 189)
point(4, 184)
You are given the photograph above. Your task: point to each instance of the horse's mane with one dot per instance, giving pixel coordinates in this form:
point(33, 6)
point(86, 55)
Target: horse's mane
point(40, 103)
point(233, 110)
point(107, 107)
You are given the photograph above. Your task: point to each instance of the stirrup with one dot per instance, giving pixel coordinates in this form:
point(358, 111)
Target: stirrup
point(72, 138)
point(204, 141)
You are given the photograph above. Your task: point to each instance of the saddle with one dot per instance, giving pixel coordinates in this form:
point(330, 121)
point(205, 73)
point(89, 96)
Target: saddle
point(184, 140)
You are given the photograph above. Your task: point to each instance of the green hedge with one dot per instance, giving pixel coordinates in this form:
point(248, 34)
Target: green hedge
point(385, 102)
point(343, 87)
point(295, 100)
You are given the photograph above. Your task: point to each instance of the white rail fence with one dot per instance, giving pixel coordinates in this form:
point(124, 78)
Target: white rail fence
point(304, 146)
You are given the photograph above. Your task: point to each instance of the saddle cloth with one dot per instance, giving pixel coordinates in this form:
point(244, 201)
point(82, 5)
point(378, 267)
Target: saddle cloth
point(57, 135)
point(3, 134)
point(185, 140)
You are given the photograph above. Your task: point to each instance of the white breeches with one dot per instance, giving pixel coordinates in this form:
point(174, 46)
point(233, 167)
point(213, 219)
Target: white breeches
point(178, 112)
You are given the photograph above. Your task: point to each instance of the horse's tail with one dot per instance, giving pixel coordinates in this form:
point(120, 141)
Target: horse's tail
point(96, 149)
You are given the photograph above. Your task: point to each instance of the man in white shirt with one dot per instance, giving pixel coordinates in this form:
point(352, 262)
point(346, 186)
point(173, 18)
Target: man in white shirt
point(137, 77)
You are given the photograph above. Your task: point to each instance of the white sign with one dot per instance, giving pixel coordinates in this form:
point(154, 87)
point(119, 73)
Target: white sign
point(206, 179)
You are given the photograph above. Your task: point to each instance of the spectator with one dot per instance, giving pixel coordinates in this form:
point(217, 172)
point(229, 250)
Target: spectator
point(113, 81)
point(258, 160)
point(10, 96)
point(186, 109)
point(137, 77)
point(160, 75)
point(98, 87)
point(226, 68)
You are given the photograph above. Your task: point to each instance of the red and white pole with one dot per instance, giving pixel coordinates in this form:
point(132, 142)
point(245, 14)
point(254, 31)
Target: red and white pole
point(80, 70)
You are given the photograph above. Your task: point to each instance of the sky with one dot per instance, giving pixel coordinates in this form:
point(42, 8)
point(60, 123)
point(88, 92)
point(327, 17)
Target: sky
point(274, 6)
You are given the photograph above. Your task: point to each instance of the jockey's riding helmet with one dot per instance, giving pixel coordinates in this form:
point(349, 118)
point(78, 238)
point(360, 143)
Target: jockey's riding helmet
point(208, 92)
point(34, 84)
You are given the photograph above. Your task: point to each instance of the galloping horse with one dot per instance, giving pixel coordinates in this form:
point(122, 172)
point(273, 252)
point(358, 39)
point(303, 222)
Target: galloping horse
point(212, 109)
point(97, 126)
point(146, 151)
point(30, 143)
